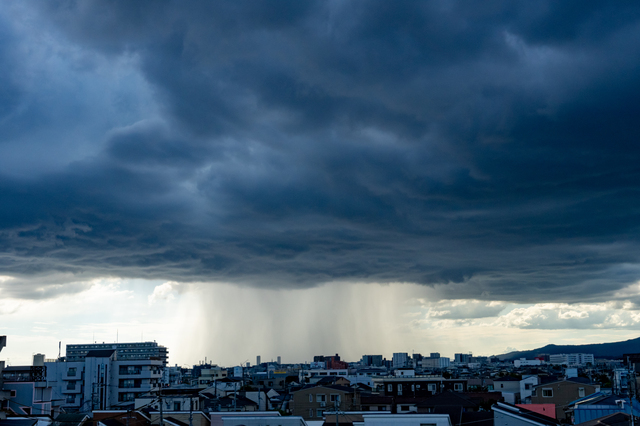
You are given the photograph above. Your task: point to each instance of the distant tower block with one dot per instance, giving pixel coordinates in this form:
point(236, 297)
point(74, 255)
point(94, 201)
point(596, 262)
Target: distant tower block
point(279, 360)
point(38, 360)
point(258, 360)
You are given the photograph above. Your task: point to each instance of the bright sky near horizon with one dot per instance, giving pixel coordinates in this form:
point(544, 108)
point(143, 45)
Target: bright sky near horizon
point(290, 178)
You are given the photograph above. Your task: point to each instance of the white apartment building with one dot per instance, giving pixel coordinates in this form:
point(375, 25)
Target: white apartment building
point(523, 362)
point(101, 381)
point(571, 359)
point(440, 362)
point(319, 373)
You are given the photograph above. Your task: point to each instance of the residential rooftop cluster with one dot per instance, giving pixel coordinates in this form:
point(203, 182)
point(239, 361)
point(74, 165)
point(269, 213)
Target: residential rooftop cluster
point(133, 384)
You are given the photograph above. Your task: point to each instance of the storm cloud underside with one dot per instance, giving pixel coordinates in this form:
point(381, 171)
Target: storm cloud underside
point(488, 149)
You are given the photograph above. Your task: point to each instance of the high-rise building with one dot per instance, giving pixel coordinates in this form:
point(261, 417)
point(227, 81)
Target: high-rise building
point(462, 358)
point(258, 360)
point(126, 351)
point(279, 360)
point(371, 360)
point(400, 359)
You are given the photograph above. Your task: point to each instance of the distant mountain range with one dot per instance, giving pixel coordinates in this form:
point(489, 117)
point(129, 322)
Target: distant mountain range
point(613, 350)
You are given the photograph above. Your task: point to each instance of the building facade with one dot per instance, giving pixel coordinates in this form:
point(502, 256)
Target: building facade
point(126, 351)
point(311, 402)
point(101, 381)
point(571, 359)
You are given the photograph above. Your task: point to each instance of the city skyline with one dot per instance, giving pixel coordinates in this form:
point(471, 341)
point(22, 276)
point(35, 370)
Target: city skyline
point(298, 178)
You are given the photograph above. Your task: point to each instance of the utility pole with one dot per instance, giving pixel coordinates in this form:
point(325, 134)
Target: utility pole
point(161, 403)
point(190, 410)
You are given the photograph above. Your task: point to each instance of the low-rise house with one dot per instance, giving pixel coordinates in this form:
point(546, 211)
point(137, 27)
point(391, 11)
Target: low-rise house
point(406, 420)
point(598, 405)
point(509, 386)
point(262, 420)
point(122, 417)
point(71, 419)
point(548, 410)
point(312, 401)
point(615, 419)
point(561, 393)
point(198, 418)
point(268, 417)
point(505, 414)
point(526, 388)
point(457, 401)
point(376, 403)
point(173, 399)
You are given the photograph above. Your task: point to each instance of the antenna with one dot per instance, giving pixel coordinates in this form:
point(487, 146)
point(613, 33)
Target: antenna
point(59, 348)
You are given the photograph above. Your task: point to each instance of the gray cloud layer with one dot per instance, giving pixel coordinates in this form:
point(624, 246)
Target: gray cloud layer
point(292, 143)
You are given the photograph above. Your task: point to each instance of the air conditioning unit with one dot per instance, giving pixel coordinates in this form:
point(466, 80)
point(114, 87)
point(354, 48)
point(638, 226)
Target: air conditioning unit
point(323, 404)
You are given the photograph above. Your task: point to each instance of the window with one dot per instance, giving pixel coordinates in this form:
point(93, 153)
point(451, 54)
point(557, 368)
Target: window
point(176, 406)
point(334, 397)
point(581, 392)
point(310, 398)
point(71, 371)
point(13, 393)
point(431, 387)
point(319, 412)
point(457, 387)
point(405, 407)
point(413, 388)
point(321, 397)
point(547, 393)
point(527, 386)
point(399, 389)
point(71, 399)
point(501, 385)
point(71, 385)
point(389, 388)
point(126, 370)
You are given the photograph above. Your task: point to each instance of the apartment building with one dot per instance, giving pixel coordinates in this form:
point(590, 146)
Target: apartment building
point(419, 386)
point(571, 359)
point(126, 351)
point(101, 381)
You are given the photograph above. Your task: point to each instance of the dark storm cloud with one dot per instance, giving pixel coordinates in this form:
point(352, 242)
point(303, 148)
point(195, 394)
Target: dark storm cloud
point(490, 147)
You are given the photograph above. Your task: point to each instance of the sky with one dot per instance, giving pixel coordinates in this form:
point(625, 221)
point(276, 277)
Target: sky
point(287, 178)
